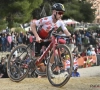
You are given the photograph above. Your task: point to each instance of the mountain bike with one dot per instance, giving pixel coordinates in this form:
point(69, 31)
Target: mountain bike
point(23, 59)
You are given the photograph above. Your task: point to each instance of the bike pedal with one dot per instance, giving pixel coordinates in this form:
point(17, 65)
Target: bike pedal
point(34, 59)
point(32, 63)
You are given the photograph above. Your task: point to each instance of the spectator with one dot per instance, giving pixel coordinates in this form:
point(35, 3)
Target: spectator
point(75, 73)
point(92, 40)
point(67, 63)
point(86, 41)
point(88, 53)
point(83, 53)
point(72, 43)
point(3, 41)
point(20, 41)
point(3, 68)
point(27, 39)
point(93, 51)
point(21, 35)
point(24, 39)
point(9, 38)
point(79, 42)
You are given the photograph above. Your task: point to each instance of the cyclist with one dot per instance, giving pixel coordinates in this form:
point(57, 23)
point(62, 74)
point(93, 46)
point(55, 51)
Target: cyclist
point(48, 23)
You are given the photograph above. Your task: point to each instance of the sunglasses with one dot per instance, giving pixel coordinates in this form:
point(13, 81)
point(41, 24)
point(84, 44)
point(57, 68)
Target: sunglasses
point(60, 13)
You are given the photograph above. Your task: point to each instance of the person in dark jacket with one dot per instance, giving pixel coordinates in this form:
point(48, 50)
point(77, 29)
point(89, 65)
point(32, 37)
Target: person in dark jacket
point(3, 68)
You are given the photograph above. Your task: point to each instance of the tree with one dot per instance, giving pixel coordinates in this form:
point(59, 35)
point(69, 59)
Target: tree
point(43, 10)
point(73, 10)
point(87, 11)
point(18, 10)
point(79, 10)
point(22, 11)
point(3, 24)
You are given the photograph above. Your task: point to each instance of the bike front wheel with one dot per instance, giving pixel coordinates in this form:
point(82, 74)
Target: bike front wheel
point(59, 66)
point(17, 64)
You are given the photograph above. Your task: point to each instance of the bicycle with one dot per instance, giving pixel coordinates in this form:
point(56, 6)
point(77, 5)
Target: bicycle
point(56, 55)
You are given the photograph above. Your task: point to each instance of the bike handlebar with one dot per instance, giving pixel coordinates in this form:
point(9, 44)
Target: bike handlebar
point(53, 33)
point(61, 35)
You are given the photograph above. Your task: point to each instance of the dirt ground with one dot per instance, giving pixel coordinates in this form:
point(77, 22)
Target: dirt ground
point(89, 80)
point(81, 83)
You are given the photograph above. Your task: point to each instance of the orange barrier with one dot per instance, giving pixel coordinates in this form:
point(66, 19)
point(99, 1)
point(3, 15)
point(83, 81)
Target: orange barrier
point(94, 58)
point(81, 60)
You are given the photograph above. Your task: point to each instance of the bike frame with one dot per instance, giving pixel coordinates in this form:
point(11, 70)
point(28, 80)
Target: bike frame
point(52, 45)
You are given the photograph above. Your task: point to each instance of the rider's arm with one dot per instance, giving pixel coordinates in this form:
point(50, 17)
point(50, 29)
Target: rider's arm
point(65, 29)
point(33, 28)
point(67, 32)
point(37, 23)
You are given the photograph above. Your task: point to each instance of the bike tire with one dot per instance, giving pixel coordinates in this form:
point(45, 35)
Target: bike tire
point(65, 47)
point(9, 64)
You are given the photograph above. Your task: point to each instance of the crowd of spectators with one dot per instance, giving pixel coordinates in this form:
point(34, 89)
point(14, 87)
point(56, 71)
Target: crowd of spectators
point(84, 44)
point(78, 40)
point(9, 40)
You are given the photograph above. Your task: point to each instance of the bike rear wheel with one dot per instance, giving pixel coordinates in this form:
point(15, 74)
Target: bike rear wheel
point(58, 72)
point(17, 64)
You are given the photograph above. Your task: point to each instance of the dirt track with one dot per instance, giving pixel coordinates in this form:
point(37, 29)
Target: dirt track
point(82, 83)
point(89, 80)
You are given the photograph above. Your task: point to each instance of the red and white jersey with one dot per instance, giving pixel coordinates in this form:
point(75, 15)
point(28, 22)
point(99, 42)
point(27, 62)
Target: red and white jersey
point(67, 64)
point(47, 24)
point(75, 62)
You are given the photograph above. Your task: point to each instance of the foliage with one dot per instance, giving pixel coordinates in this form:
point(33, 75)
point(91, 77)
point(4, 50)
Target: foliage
point(79, 10)
point(88, 13)
point(22, 11)
point(93, 28)
point(18, 10)
point(70, 29)
point(73, 11)
point(16, 24)
point(3, 24)
point(19, 29)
